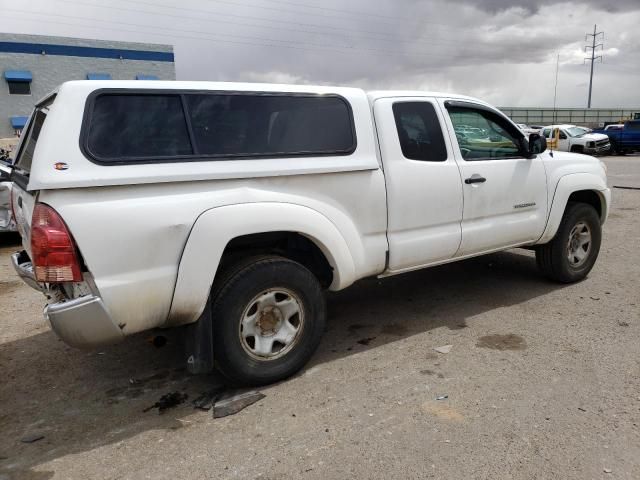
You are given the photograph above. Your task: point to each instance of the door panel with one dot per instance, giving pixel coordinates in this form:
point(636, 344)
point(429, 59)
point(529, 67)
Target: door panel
point(424, 197)
point(509, 206)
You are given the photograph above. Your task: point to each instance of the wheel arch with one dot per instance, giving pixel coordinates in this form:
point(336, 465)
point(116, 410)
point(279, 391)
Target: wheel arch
point(227, 229)
point(578, 187)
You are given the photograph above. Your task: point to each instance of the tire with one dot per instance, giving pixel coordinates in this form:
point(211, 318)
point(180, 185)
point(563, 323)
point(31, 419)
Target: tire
point(577, 149)
point(616, 149)
point(269, 315)
point(553, 258)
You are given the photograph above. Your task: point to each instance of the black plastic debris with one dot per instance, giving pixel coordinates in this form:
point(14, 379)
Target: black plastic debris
point(168, 400)
point(157, 341)
point(366, 341)
point(233, 402)
point(206, 400)
point(32, 437)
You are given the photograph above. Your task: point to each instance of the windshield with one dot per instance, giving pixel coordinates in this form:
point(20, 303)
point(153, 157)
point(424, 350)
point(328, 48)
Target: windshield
point(576, 131)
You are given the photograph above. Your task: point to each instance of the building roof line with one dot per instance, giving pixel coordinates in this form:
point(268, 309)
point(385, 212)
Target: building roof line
point(90, 52)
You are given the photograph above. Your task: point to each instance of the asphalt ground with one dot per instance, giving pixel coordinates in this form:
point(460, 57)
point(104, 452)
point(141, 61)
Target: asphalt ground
point(542, 381)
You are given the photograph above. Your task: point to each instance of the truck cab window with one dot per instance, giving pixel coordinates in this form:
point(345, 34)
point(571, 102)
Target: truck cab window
point(419, 131)
point(481, 136)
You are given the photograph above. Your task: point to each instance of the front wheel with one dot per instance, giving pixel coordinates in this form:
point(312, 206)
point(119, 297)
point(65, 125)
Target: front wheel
point(268, 319)
point(570, 256)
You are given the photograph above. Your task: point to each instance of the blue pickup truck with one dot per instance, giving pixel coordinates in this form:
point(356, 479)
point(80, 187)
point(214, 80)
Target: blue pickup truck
point(624, 140)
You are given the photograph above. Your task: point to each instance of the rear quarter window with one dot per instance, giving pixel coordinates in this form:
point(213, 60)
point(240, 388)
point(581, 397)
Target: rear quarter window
point(419, 131)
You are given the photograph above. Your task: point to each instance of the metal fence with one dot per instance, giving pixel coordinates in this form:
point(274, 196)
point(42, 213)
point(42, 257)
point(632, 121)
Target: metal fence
point(588, 117)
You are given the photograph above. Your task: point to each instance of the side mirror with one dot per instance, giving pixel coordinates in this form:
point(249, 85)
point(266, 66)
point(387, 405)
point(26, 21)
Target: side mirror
point(537, 144)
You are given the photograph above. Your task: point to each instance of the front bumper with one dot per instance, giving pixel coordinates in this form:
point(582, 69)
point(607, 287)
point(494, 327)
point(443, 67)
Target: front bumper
point(82, 322)
point(598, 150)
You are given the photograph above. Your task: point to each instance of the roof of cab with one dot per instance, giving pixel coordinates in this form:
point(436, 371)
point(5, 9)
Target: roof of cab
point(375, 94)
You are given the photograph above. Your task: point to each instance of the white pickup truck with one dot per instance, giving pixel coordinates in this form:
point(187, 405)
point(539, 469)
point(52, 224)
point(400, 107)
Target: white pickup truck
point(231, 206)
point(570, 138)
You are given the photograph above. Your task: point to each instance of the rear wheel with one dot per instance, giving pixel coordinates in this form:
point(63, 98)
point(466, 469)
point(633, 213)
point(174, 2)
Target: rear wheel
point(268, 319)
point(570, 256)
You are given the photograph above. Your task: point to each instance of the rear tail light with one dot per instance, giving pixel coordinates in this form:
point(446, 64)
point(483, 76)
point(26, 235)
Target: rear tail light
point(53, 252)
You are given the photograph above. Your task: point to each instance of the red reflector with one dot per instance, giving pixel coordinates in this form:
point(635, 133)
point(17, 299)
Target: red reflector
point(53, 251)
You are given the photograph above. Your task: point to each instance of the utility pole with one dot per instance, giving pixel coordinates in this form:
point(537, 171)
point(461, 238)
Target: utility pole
point(593, 47)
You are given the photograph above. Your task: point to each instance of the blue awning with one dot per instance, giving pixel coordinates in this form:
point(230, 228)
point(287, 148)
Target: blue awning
point(98, 76)
point(18, 76)
point(146, 77)
point(18, 123)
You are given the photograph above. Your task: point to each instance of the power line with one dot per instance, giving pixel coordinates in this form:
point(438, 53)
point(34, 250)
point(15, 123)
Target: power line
point(359, 13)
point(224, 37)
point(282, 10)
point(388, 39)
point(372, 34)
point(593, 47)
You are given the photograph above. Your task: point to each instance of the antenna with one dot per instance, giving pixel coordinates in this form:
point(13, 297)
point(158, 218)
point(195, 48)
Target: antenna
point(555, 97)
point(593, 47)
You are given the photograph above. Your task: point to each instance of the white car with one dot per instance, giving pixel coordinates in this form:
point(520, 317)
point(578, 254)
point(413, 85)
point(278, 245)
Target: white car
point(571, 138)
point(526, 129)
point(231, 207)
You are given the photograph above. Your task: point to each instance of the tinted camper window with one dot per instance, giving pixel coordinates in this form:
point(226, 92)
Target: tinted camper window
point(138, 127)
point(270, 125)
point(130, 127)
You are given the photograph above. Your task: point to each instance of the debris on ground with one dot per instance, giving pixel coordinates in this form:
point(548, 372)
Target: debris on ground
point(442, 397)
point(32, 437)
point(509, 341)
point(206, 400)
point(168, 400)
point(366, 341)
point(158, 341)
point(607, 470)
point(443, 349)
point(622, 323)
point(234, 402)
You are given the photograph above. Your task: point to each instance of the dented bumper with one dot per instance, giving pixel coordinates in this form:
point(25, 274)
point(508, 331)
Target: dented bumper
point(82, 322)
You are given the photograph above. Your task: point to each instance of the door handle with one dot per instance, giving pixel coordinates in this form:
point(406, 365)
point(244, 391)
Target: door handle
point(475, 179)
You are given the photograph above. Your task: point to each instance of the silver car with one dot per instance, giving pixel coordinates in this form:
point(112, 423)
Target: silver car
point(6, 222)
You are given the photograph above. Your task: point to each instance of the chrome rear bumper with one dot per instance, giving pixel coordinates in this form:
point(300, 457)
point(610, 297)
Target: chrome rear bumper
point(24, 269)
point(82, 322)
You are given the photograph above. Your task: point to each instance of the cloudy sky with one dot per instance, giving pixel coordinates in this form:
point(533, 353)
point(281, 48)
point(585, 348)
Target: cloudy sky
point(499, 50)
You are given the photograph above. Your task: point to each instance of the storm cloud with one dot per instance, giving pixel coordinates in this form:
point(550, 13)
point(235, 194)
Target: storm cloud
point(534, 6)
point(502, 51)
